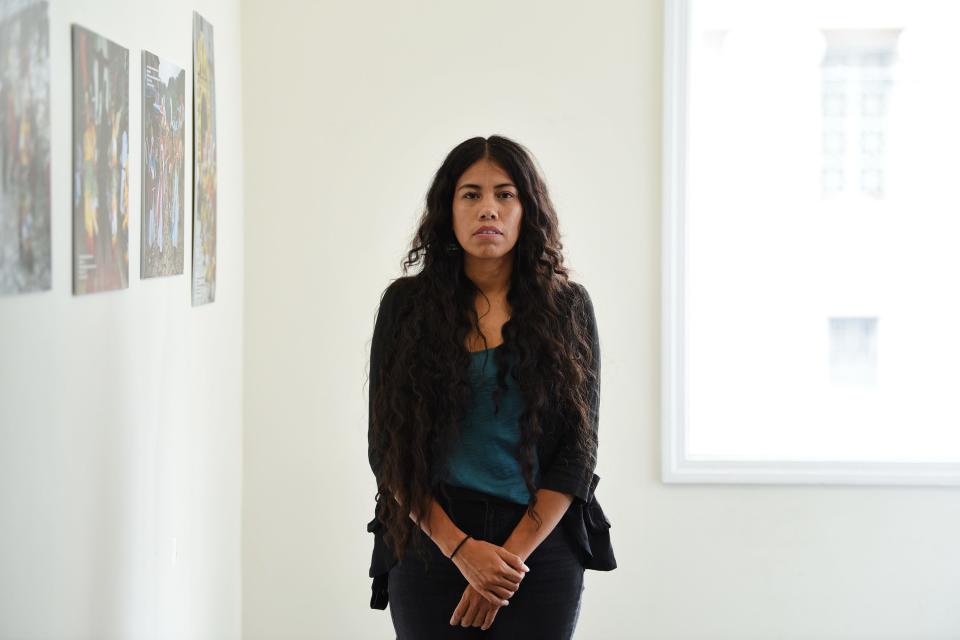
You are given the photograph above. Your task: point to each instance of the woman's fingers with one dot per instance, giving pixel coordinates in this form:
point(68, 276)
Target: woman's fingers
point(513, 560)
point(488, 619)
point(471, 612)
point(503, 592)
point(504, 587)
point(499, 588)
point(494, 598)
point(508, 572)
point(509, 583)
point(458, 612)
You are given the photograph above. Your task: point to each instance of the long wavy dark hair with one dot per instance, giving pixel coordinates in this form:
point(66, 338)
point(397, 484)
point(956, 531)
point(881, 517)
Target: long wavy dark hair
point(423, 389)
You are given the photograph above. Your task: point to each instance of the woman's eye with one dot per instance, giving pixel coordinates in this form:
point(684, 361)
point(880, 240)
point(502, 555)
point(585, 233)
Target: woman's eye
point(468, 194)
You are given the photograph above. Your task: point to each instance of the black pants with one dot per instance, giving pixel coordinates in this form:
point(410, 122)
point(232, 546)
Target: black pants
point(423, 596)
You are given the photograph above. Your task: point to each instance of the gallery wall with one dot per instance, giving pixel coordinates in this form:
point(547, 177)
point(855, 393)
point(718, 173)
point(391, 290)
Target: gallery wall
point(120, 420)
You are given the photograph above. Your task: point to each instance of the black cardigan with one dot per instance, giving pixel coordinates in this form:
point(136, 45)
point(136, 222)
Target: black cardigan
point(564, 466)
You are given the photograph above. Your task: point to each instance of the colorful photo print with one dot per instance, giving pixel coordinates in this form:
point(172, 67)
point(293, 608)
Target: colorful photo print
point(161, 236)
point(204, 165)
point(101, 103)
point(24, 146)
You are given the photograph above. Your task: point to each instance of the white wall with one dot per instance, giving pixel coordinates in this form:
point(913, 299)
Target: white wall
point(120, 419)
point(349, 108)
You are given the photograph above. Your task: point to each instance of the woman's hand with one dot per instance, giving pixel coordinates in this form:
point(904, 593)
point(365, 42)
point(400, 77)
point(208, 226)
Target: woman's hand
point(490, 569)
point(474, 610)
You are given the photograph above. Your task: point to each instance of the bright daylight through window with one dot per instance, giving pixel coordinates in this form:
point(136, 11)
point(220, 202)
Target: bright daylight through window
point(811, 234)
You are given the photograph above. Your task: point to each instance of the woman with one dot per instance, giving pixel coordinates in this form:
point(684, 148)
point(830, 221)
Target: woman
point(484, 392)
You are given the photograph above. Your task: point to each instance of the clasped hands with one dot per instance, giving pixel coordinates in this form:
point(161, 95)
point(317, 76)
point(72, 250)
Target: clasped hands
point(494, 575)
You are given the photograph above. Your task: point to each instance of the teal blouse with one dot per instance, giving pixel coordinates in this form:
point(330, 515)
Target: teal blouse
point(484, 458)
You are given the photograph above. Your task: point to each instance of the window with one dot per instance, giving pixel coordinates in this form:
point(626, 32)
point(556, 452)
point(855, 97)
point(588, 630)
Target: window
point(810, 306)
point(857, 73)
point(853, 352)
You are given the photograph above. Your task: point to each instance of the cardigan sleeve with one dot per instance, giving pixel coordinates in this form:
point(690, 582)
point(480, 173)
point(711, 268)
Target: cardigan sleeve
point(377, 344)
point(572, 469)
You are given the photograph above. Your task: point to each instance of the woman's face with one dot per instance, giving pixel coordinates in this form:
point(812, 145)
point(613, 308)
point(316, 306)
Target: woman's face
point(485, 196)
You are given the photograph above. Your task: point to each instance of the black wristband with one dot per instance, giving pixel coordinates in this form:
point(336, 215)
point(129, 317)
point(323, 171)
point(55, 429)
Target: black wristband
point(458, 546)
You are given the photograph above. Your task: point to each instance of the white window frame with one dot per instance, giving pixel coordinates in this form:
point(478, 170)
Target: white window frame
point(677, 467)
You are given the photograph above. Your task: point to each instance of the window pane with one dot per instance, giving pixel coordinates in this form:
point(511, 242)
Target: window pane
point(822, 223)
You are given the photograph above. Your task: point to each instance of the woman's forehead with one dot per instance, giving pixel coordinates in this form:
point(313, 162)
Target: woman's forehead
point(485, 170)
